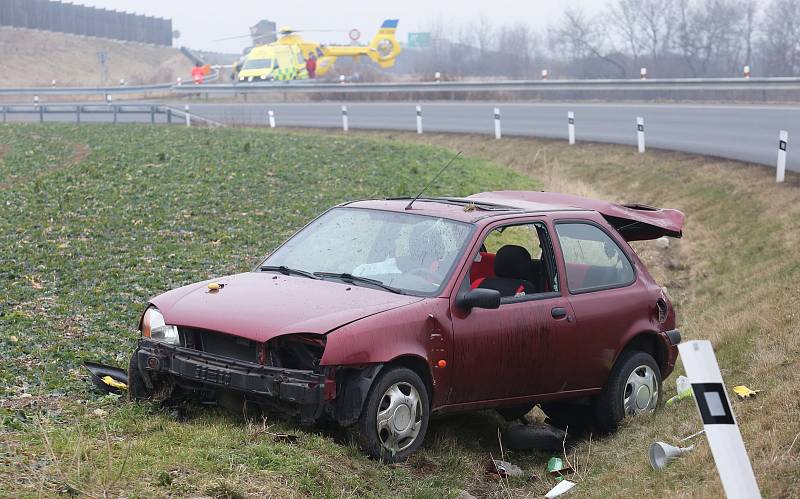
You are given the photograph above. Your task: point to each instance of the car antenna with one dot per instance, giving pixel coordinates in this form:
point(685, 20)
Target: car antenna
point(408, 206)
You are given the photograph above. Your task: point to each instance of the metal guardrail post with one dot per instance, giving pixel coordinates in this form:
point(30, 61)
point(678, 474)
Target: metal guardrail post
point(116, 110)
point(41, 114)
point(169, 115)
point(78, 114)
point(152, 114)
point(4, 114)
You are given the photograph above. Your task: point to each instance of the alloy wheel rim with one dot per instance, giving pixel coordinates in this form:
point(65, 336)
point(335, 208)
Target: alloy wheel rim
point(641, 391)
point(399, 417)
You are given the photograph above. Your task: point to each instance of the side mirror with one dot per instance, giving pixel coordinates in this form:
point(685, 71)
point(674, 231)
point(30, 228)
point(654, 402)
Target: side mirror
point(479, 298)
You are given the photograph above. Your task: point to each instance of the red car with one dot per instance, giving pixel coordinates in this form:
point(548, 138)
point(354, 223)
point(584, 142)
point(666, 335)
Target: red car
point(381, 313)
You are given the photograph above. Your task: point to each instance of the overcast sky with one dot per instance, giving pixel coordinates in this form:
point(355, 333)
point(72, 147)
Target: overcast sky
point(202, 21)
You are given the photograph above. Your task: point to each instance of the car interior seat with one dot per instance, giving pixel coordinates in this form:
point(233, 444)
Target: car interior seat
point(512, 268)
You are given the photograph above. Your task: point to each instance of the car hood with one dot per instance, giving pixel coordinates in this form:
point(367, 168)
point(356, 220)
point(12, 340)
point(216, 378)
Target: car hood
point(262, 305)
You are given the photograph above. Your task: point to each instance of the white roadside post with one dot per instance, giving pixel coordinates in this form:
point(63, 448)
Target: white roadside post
point(341, 79)
point(437, 76)
point(271, 118)
point(643, 74)
point(544, 74)
point(571, 127)
point(108, 99)
point(722, 432)
point(187, 115)
point(179, 81)
point(53, 84)
point(640, 132)
point(497, 131)
point(419, 119)
point(345, 125)
point(122, 82)
point(747, 72)
point(783, 142)
point(36, 100)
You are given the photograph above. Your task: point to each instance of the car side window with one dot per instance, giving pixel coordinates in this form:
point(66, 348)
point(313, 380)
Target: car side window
point(516, 260)
point(592, 259)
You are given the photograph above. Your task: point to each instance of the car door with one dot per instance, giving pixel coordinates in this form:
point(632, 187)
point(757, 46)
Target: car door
point(606, 298)
point(518, 349)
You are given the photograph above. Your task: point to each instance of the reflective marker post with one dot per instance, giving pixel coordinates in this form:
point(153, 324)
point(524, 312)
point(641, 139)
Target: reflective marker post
point(640, 132)
point(419, 119)
point(271, 118)
point(571, 126)
point(719, 423)
point(783, 142)
point(497, 131)
point(187, 115)
point(345, 125)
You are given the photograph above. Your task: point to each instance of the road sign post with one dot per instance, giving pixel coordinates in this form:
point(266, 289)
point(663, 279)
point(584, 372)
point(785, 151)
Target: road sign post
point(640, 133)
point(571, 127)
point(719, 423)
point(783, 142)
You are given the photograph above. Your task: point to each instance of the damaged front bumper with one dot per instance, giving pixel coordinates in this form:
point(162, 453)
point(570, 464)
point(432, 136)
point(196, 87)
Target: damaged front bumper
point(300, 392)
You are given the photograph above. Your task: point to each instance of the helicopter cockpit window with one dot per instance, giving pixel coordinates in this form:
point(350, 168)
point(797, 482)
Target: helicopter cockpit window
point(257, 64)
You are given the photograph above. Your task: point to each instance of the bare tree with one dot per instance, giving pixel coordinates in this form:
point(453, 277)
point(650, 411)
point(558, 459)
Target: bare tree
point(781, 39)
point(582, 38)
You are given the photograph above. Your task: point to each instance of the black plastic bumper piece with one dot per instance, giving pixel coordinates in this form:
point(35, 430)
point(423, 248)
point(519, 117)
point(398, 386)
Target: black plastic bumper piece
point(300, 389)
point(674, 336)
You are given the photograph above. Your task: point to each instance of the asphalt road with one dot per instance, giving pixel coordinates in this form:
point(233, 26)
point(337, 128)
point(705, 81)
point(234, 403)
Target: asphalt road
point(743, 132)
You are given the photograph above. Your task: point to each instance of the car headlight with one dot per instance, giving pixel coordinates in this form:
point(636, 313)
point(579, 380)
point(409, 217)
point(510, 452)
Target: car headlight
point(155, 328)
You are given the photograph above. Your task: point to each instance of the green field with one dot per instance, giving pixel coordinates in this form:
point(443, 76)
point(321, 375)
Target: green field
point(95, 220)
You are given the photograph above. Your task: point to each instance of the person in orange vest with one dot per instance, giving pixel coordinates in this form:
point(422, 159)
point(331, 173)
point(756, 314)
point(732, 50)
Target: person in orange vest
point(198, 74)
point(311, 65)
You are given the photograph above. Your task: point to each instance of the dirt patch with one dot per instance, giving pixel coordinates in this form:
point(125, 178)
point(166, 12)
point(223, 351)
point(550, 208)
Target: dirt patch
point(4, 149)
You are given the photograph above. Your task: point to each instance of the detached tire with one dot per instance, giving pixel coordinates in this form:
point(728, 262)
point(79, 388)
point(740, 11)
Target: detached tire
point(633, 388)
point(395, 415)
point(137, 390)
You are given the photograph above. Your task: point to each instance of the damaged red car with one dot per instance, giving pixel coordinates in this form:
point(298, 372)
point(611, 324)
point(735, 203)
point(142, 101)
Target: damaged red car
point(379, 314)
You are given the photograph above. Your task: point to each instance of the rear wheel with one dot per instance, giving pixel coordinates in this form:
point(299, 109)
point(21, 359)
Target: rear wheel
point(395, 416)
point(633, 388)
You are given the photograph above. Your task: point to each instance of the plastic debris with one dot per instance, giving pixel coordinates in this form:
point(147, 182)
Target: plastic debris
point(560, 489)
point(554, 465)
point(112, 382)
point(504, 468)
point(661, 454)
point(662, 242)
point(533, 436)
point(743, 392)
point(684, 390)
point(109, 379)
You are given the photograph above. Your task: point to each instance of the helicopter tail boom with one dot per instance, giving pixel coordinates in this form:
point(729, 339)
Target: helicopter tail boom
point(384, 46)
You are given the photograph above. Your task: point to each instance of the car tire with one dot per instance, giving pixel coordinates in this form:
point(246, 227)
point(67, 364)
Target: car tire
point(395, 415)
point(137, 390)
point(574, 418)
point(633, 388)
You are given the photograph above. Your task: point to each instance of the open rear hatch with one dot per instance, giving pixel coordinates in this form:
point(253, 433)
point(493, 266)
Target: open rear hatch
point(635, 222)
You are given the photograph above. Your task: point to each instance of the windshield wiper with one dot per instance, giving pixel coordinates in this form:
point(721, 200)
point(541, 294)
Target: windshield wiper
point(287, 271)
point(354, 279)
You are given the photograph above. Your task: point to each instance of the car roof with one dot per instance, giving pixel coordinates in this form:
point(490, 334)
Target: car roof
point(470, 209)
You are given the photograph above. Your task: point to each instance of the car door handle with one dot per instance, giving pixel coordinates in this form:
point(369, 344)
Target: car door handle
point(558, 312)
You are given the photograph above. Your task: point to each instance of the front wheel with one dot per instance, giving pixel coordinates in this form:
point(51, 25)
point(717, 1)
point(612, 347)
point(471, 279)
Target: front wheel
point(633, 388)
point(395, 416)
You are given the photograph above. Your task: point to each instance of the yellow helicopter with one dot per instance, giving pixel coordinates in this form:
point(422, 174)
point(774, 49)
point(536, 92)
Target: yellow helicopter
point(285, 59)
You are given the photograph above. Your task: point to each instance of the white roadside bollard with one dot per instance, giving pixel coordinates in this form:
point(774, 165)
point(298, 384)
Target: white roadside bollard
point(640, 133)
point(108, 99)
point(571, 127)
point(271, 118)
point(53, 84)
point(179, 81)
point(497, 131)
point(783, 142)
point(345, 124)
point(544, 74)
point(419, 119)
point(747, 72)
point(35, 100)
point(437, 76)
point(187, 115)
point(643, 74)
point(341, 79)
point(719, 422)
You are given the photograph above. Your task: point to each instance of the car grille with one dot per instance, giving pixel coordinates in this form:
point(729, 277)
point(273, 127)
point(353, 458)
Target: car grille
point(221, 344)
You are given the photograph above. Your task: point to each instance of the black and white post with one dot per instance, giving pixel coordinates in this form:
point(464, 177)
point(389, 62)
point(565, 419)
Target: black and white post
point(719, 423)
point(783, 142)
point(271, 115)
point(419, 119)
point(345, 125)
point(497, 131)
point(640, 133)
point(187, 115)
point(571, 127)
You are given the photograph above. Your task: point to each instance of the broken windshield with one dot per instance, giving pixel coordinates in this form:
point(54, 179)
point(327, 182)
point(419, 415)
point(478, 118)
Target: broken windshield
point(413, 253)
